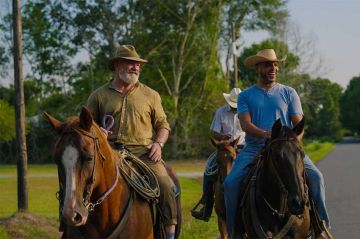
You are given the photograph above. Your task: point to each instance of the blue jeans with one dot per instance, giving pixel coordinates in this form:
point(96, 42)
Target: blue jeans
point(240, 169)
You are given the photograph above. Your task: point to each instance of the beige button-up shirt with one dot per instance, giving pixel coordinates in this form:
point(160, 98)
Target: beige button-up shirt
point(138, 114)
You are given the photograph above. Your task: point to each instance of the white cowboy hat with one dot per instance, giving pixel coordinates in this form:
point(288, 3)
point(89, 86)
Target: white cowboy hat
point(262, 56)
point(232, 98)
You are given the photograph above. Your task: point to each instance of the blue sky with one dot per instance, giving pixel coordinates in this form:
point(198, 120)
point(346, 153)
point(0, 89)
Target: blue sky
point(335, 27)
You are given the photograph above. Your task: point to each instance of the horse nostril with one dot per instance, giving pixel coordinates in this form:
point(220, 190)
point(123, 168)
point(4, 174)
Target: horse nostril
point(77, 218)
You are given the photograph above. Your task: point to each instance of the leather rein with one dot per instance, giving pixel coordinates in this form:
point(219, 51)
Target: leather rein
point(281, 213)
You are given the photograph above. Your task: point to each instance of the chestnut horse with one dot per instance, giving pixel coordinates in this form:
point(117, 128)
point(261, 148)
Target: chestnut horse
point(226, 154)
point(96, 201)
point(275, 202)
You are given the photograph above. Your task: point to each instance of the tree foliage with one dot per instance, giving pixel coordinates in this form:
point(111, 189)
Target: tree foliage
point(321, 103)
point(7, 121)
point(67, 44)
point(350, 106)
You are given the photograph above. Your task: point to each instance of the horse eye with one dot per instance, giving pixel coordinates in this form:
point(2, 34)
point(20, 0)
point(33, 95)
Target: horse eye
point(87, 157)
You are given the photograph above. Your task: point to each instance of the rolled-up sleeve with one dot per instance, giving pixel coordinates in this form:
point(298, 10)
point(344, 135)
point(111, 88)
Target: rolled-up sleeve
point(159, 119)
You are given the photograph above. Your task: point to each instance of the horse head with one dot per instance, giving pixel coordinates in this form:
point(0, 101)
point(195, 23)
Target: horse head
point(80, 165)
point(285, 160)
point(226, 153)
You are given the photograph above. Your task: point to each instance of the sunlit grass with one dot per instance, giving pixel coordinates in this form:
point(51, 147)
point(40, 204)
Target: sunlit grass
point(42, 200)
point(317, 150)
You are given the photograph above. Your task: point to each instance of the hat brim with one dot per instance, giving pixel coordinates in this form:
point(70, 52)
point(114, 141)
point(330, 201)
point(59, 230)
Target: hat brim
point(112, 61)
point(231, 103)
point(251, 61)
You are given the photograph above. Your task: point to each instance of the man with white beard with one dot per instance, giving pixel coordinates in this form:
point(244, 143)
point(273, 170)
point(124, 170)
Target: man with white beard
point(138, 114)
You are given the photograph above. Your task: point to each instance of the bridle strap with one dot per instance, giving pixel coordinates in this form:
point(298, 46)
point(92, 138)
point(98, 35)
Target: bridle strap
point(281, 213)
point(86, 200)
point(90, 206)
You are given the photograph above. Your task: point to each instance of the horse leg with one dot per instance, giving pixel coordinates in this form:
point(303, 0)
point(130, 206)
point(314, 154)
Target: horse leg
point(222, 228)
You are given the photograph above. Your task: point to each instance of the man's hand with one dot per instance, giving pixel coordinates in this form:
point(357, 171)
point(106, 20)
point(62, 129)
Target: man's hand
point(267, 134)
point(155, 151)
point(106, 132)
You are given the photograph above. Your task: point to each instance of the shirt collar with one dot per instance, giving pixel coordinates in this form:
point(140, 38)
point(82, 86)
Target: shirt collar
point(132, 89)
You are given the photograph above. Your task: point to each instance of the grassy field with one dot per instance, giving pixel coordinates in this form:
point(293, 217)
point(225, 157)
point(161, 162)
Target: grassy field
point(43, 184)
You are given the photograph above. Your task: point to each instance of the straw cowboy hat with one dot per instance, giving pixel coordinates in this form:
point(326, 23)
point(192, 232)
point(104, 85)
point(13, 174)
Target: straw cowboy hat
point(262, 56)
point(127, 52)
point(232, 98)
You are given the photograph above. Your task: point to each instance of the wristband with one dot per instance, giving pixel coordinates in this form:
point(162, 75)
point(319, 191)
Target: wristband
point(161, 144)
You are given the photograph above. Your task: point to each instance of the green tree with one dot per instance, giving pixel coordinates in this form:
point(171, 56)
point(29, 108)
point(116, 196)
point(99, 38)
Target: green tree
point(7, 121)
point(181, 39)
point(325, 109)
point(350, 106)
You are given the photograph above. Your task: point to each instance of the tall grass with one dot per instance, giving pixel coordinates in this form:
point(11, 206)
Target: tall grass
point(317, 150)
point(43, 184)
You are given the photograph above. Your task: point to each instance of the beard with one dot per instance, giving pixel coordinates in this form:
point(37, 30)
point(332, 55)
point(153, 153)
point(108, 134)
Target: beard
point(130, 78)
point(265, 79)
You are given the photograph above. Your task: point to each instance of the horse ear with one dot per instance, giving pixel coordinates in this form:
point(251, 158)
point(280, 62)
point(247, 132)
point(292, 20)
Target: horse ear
point(299, 127)
point(86, 119)
point(276, 129)
point(55, 124)
point(214, 142)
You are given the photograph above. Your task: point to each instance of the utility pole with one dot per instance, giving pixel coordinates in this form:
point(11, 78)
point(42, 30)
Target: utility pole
point(233, 45)
point(20, 110)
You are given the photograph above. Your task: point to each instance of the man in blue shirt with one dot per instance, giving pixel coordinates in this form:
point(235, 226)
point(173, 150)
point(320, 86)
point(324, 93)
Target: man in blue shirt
point(259, 107)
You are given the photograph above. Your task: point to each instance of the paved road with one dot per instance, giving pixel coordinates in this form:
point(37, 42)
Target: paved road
point(341, 170)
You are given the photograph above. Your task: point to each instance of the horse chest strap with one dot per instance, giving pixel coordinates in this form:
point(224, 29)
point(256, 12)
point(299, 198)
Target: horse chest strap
point(124, 217)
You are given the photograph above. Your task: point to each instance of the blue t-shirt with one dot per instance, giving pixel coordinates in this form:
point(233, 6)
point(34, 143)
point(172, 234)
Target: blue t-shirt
point(266, 106)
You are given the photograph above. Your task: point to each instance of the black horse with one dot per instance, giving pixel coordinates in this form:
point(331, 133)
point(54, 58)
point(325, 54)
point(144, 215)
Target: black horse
point(275, 202)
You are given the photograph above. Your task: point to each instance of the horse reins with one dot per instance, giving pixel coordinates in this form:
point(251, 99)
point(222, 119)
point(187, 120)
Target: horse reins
point(281, 213)
point(86, 199)
point(281, 185)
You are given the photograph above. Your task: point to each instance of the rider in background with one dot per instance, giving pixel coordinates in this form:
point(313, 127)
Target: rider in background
point(225, 126)
point(259, 106)
point(140, 122)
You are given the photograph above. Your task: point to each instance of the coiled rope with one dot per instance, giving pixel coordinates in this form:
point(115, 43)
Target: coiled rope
point(211, 167)
point(139, 176)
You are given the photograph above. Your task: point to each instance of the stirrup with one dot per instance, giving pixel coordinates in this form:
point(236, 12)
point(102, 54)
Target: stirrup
point(197, 205)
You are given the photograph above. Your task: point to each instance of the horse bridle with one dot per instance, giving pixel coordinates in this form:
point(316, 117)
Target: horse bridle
point(281, 185)
point(90, 181)
point(254, 216)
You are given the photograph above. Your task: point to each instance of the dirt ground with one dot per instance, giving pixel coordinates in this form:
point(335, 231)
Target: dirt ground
point(26, 225)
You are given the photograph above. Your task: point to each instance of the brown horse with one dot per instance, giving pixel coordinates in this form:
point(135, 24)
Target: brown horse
point(275, 202)
point(96, 201)
point(226, 154)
